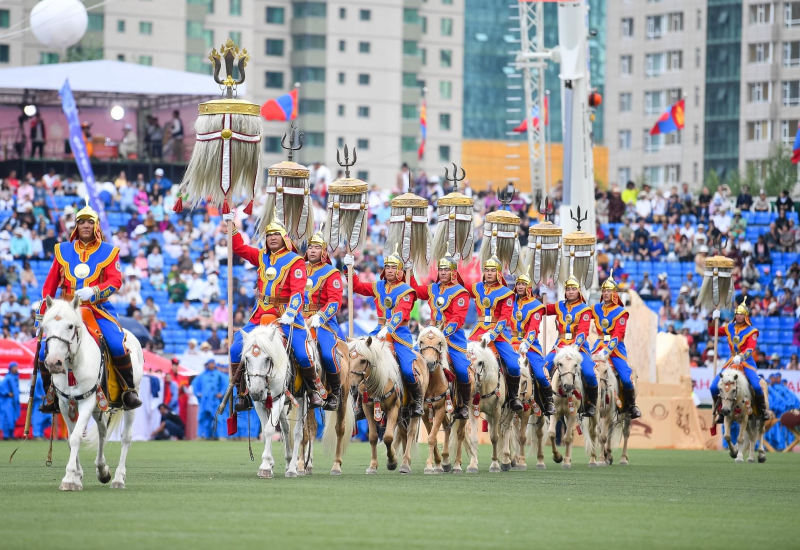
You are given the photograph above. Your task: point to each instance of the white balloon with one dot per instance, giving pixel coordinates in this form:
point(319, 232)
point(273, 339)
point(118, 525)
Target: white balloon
point(59, 24)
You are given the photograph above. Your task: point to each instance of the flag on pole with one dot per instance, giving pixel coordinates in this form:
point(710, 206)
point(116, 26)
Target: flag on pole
point(523, 126)
point(671, 120)
point(282, 108)
point(423, 122)
point(796, 146)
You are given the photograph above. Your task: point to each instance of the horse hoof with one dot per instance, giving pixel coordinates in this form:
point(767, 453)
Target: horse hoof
point(566, 466)
point(610, 460)
point(558, 459)
point(118, 485)
point(738, 460)
point(309, 471)
point(426, 471)
point(471, 470)
point(372, 471)
point(494, 469)
point(541, 466)
point(623, 462)
point(505, 467)
point(733, 454)
point(447, 467)
point(291, 474)
point(336, 472)
point(405, 469)
point(391, 465)
point(458, 470)
point(751, 460)
point(71, 487)
point(520, 467)
point(593, 465)
point(104, 478)
point(762, 459)
point(265, 474)
point(513, 463)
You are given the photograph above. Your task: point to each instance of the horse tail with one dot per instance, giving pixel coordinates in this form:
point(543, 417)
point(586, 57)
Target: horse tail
point(329, 435)
point(615, 432)
point(91, 436)
point(532, 437)
point(590, 445)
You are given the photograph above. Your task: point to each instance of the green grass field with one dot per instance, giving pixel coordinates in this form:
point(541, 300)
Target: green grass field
point(206, 495)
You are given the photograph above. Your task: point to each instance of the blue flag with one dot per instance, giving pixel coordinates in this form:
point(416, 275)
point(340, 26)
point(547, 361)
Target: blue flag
point(78, 146)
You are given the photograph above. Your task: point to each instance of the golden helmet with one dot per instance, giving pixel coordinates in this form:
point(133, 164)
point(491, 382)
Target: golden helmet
point(448, 262)
point(87, 212)
point(524, 278)
point(493, 263)
point(275, 226)
point(317, 238)
point(741, 309)
point(572, 282)
point(394, 259)
point(610, 283)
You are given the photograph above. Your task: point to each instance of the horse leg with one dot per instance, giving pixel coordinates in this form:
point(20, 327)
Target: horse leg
point(309, 434)
point(762, 454)
point(505, 427)
point(431, 445)
point(568, 437)
point(388, 436)
point(522, 440)
point(297, 434)
point(728, 422)
point(373, 438)
point(472, 444)
point(336, 469)
point(125, 440)
point(265, 469)
point(409, 439)
point(593, 440)
point(539, 435)
point(551, 435)
point(101, 468)
point(448, 433)
point(73, 477)
point(438, 419)
point(751, 443)
point(494, 436)
point(626, 433)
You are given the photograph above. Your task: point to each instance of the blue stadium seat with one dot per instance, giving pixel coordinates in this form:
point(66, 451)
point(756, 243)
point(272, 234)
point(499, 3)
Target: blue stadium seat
point(761, 218)
point(771, 336)
point(773, 323)
point(792, 216)
point(674, 268)
point(787, 323)
point(759, 322)
point(701, 347)
point(749, 217)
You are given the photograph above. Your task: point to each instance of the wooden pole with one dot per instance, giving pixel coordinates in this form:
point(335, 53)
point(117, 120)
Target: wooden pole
point(716, 344)
point(230, 314)
point(350, 299)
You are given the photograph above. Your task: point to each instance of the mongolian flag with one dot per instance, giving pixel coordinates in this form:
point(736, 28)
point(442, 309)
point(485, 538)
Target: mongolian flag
point(796, 146)
point(283, 108)
point(423, 122)
point(523, 126)
point(671, 120)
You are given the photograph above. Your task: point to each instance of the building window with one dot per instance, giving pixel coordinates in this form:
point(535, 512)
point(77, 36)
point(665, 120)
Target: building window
point(696, 134)
point(625, 102)
point(121, 25)
point(759, 130)
point(146, 60)
point(308, 74)
point(791, 14)
point(363, 175)
point(363, 47)
point(695, 172)
point(341, 78)
point(272, 144)
point(623, 175)
point(760, 53)
point(445, 89)
point(340, 110)
point(789, 129)
point(411, 16)
point(654, 64)
point(309, 9)
point(758, 92)
point(423, 55)
point(145, 27)
point(447, 2)
point(315, 139)
point(408, 144)
point(364, 15)
point(444, 153)
point(652, 144)
point(236, 36)
point(339, 141)
point(698, 58)
point(4, 53)
point(627, 27)
point(121, 57)
point(410, 80)
point(5, 19)
point(410, 48)
point(96, 22)
point(446, 58)
point(342, 45)
point(625, 65)
point(791, 93)
point(624, 140)
point(308, 42)
point(424, 22)
point(697, 96)
point(675, 22)
point(275, 15)
point(654, 175)
point(654, 26)
point(47, 58)
point(675, 60)
point(363, 79)
point(342, 13)
point(761, 14)
point(673, 173)
point(673, 138)
point(235, 7)
point(363, 111)
point(363, 144)
point(699, 19)
point(196, 64)
point(311, 107)
point(209, 4)
point(409, 111)
point(444, 121)
point(654, 102)
point(446, 26)
point(791, 54)
point(674, 95)
point(273, 79)
point(275, 47)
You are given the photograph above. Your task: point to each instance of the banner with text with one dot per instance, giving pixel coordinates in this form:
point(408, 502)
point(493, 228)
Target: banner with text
point(703, 377)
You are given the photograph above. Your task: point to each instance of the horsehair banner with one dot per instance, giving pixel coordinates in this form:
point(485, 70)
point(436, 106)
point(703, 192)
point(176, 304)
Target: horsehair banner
point(702, 378)
point(78, 146)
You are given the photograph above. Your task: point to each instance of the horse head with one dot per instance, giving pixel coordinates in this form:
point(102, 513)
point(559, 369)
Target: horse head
point(264, 360)
point(61, 334)
point(567, 363)
point(484, 361)
point(433, 347)
point(731, 390)
point(373, 361)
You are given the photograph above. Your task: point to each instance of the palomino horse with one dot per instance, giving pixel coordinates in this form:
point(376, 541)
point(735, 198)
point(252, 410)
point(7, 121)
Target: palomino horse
point(606, 420)
point(514, 426)
point(374, 364)
point(737, 398)
point(536, 424)
point(339, 424)
point(569, 398)
point(70, 347)
point(492, 389)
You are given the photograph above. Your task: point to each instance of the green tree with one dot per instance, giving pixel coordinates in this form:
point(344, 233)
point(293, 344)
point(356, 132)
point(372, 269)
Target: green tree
point(779, 171)
point(712, 181)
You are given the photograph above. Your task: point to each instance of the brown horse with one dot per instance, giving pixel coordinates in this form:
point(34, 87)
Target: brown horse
point(514, 425)
point(537, 422)
point(374, 366)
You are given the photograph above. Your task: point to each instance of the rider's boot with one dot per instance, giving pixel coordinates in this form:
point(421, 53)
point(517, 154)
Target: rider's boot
point(630, 401)
point(49, 401)
point(310, 378)
point(513, 393)
point(335, 383)
point(415, 391)
point(357, 408)
point(591, 399)
point(130, 399)
point(761, 402)
point(243, 401)
point(547, 395)
point(465, 394)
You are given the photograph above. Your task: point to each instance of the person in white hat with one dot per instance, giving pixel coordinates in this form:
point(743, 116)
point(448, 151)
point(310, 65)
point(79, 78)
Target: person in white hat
point(164, 182)
point(128, 145)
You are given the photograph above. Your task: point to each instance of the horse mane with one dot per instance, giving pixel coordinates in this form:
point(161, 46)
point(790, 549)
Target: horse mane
point(60, 308)
point(270, 339)
point(384, 364)
point(489, 375)
point(439, 336)
point(569, 352)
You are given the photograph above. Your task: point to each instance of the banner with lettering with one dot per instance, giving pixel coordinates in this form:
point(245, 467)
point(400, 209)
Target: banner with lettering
point(702, 378)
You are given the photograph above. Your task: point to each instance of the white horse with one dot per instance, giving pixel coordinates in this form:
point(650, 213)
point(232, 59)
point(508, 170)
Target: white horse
point(569, 396)
point(737, 398)
point(536, 425)
point(492, 389)
point(600, 442)
point(69, 346)
point(265, 364)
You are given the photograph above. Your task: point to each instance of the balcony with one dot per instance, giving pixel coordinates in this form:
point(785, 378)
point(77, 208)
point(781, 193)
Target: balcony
point(308, 58)
point(309, 25)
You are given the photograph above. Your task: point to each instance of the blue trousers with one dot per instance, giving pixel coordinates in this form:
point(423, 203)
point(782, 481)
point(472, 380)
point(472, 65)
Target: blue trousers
point(752, 377)
point(508, 356)
point(537, 368)
point(327, 347)
point(299, 336)
point(587, 366)
point(204, 424)
point(406, 356)
point(619, 365)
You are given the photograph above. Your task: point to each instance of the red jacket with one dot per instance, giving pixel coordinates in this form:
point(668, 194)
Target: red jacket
point(455, 312)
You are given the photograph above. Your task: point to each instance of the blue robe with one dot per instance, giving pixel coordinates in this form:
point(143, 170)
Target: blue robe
point(456, 338)
point(326, 333)
point(206, 386)
point(39, 421)
point(9, 404)
point(399, 333)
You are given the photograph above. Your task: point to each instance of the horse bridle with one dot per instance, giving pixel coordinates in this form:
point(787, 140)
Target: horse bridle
point(735, 394)
point(575, 374)
point(438, 355)
point(75, 336)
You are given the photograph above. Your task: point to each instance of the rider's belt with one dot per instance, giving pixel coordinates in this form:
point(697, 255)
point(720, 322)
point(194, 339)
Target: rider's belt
point(382, 321)
point(490, 320)
point(606, 338)
point(272, 300)
point(68, 296)
point(565, 335)
point(515, 334)
point(310, 308)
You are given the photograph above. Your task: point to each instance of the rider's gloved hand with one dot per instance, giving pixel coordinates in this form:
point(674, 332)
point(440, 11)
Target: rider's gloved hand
point(286, 319)
point(85, 294)
point(486, 339)
point(715, 314)
point(737, 359)
point(383, 333)
point(349, 260)
point(524, 347)
point(229, 216)
point(315, 321)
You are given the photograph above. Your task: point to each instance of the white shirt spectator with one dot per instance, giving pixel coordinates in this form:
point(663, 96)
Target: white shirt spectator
point(186, 313)
point(644, 207)
point(196, 288)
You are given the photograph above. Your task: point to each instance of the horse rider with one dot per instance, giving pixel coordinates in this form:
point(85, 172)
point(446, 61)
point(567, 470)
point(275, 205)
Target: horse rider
point(527, 317)
point(323, 296)
point(89, 268)
point(611, 320)
point(495, 303)
point(449, 302)
point(394, 301)
point(573, 319)
point(280, 287)
point(742, 338)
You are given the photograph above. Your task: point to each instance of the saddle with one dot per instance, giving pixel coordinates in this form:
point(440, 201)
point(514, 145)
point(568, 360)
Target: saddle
point(109, 381)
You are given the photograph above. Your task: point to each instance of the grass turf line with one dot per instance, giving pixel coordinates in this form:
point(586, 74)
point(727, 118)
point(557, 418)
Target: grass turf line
point(206, 495)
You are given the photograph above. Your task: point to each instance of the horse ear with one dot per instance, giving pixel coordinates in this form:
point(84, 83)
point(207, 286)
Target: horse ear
point(48, 300)
point(483, 344)
point(75, 303)
point(735, 376)
point(369, 341)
